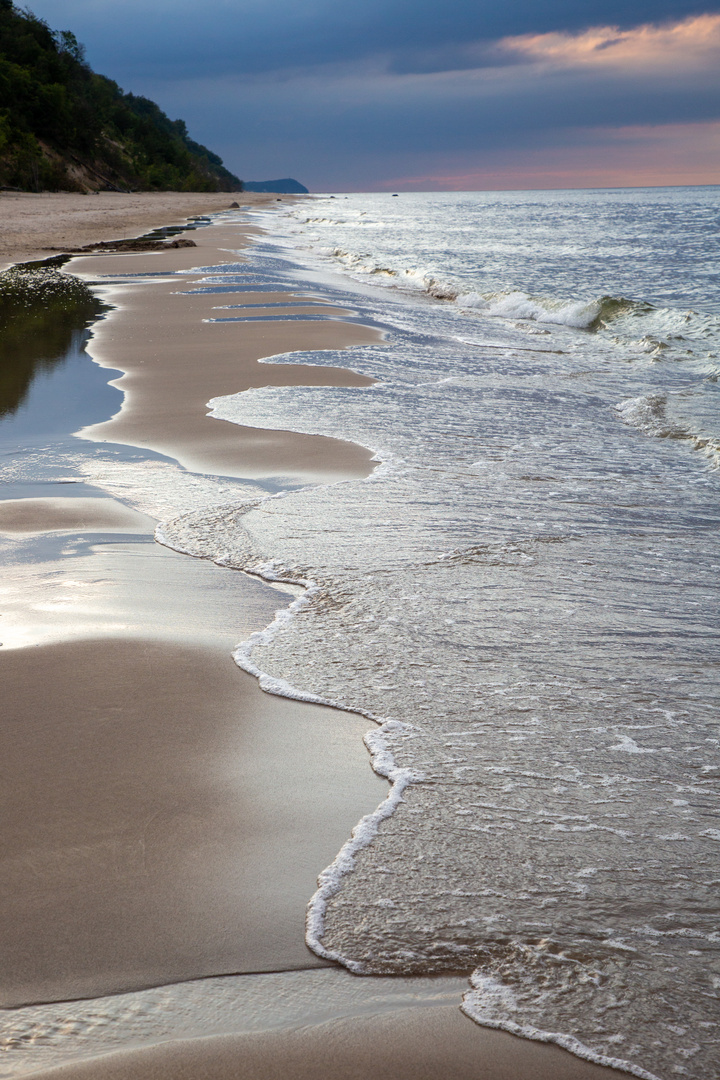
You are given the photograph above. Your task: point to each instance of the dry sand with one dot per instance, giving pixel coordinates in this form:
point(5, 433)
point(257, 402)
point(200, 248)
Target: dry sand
point(162, 817)
point(31, 223)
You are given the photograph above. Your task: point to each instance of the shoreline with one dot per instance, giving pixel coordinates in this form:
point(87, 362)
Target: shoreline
point(167, 676)
point(157, 336)
point(350, 1039)
point(33, 223)
point(421, 1043)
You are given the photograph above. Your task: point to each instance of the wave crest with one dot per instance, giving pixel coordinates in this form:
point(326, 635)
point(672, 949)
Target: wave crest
point(648, 413)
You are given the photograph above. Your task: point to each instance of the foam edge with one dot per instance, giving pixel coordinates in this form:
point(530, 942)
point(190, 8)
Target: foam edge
point(381, 758)
point(487, 994)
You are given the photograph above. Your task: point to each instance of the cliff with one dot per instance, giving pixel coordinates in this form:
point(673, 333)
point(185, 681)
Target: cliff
point(65, 128)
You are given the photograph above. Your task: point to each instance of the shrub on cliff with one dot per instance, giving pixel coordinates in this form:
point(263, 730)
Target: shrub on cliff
point(64, 127)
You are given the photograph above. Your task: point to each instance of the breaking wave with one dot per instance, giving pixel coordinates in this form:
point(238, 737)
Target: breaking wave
point(648, 413)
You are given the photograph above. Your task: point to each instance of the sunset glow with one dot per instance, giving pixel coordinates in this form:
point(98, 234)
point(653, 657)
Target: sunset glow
point(682, 44)
point(633, 156)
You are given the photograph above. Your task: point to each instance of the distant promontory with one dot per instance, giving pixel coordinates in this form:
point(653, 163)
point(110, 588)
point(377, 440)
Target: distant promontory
point(288, 186)
point(65, 128)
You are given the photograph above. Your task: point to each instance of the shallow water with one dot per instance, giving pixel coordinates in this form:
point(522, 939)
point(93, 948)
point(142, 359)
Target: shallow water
point(523, 594)
point(41, 1036)
point(43, 318)
point(525, 591)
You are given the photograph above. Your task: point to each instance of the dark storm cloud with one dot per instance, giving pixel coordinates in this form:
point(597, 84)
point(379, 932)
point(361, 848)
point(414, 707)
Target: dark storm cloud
point(351, 95)
point(184, 38)
point(452, 118)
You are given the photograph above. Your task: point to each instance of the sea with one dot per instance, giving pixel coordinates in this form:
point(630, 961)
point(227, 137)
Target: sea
point(522, 598)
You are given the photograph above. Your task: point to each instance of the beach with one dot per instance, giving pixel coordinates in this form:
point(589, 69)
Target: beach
point(166, 820)
point(33, 223)
point(408, 1043)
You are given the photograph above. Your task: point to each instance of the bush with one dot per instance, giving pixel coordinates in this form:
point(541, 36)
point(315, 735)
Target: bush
point(41, 311)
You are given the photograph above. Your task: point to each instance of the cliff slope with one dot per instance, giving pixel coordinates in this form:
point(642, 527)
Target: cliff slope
point(65, 128)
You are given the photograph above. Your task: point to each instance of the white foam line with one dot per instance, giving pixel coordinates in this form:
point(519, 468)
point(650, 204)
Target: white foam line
point(381, 759)
point(330, 880)
point(383, 763)
point(488, 992)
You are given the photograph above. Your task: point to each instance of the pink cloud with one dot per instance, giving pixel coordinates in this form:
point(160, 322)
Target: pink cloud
point(680, 45)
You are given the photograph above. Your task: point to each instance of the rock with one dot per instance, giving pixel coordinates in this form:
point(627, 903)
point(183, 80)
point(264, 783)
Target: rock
point(126, 245)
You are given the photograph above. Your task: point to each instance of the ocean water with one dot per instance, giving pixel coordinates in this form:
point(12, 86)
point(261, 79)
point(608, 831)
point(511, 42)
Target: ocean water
point(523, 597)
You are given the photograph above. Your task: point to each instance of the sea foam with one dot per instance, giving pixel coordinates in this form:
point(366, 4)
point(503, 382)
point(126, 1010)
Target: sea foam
point(505, 591)
point(508, 598)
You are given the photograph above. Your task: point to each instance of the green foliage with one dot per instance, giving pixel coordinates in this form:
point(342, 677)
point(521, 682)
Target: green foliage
point(63, 127)
point(67, 42)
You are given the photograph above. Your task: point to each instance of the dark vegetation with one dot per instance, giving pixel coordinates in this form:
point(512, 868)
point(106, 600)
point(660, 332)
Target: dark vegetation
point(65, 128)
point(41, 312)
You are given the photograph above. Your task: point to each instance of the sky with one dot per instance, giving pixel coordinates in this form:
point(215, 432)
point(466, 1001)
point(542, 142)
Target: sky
point(422, 95)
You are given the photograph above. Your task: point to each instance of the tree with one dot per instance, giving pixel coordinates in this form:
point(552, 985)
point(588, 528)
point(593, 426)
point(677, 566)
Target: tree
point(68, 43)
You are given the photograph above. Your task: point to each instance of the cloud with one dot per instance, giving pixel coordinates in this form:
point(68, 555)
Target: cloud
point(599, 78)
point(180, 38)
point(364, 131)
point(682, 46)
point(356, 96)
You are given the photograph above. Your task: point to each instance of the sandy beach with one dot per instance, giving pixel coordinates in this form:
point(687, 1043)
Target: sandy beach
point(408, 1044)
point(165, 820)
point(29, 223)
point(155, 800)
point(158, 337)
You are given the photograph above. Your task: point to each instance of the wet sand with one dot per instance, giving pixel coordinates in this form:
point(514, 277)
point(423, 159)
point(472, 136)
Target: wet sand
point(174, 362)
point(409, 1044)
point(163, 818)
point(50, 515)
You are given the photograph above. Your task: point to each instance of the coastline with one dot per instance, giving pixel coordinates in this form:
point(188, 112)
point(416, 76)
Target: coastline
point(482, 1053)
point(157, 335)
point(144, 815)
point(33, 223)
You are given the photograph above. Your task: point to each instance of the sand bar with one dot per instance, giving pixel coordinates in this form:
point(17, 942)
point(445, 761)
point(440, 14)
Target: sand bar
point(174, 361)
point(57, 514)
